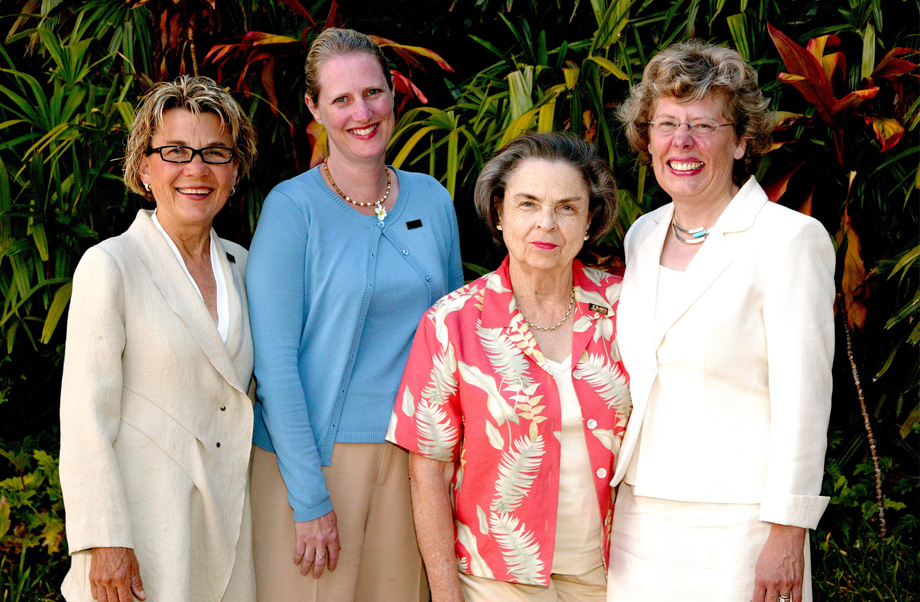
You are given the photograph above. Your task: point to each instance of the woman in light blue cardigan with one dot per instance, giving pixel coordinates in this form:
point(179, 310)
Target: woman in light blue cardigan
point(337, 282)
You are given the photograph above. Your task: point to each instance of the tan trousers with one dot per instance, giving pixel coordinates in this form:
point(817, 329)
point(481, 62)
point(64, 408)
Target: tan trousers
point(587, 587)
point(379, 560)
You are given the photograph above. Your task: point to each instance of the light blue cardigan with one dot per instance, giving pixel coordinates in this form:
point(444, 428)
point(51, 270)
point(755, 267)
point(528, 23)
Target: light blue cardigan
point(310, 278)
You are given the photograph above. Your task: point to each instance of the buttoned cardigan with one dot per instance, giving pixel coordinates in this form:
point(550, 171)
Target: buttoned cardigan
point(477, 392)
point(313, 268)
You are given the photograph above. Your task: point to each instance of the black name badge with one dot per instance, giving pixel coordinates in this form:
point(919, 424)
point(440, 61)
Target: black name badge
point(598, 308)
point(413, 224)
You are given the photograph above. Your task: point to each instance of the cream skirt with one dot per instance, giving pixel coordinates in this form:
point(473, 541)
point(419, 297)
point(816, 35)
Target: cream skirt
point(664, 551)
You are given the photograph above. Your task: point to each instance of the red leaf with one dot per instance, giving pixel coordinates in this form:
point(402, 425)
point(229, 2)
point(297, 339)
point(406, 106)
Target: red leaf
point(891, 67)
point(811, 81)
point(805, 207)
point(268, 81)
point(259, 38)
point(853, 280)
point(405, 90)
point(776, 181)
point(316, 134)
point(844, 107)
point(333, 19)
point(404, 51)
point(786, 120)
point(887, 131)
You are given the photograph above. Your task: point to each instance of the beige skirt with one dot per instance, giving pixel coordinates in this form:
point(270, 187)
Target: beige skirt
point(662, 550)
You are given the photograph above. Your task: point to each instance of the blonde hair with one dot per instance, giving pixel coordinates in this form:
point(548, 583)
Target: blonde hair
point(688, 72)
point(197, 95)
point(335, 42)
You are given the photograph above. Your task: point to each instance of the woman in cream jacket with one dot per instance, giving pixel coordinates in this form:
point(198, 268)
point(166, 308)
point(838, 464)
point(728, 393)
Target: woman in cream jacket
point(156, 421)
point(726, 329)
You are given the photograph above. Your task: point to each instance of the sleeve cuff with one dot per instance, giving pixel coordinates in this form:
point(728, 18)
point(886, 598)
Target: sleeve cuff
point(794, 510)
point(302, 516)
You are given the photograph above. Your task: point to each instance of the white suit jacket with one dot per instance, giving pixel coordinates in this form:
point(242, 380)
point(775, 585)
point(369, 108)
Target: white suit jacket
point(156, 423)
point(744, 358)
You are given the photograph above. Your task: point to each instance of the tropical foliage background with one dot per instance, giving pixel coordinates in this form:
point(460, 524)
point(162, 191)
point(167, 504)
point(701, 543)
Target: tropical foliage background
point(471, 74)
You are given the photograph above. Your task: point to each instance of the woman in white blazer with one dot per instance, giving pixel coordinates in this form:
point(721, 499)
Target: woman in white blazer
point(156, 420)
point(726, 329)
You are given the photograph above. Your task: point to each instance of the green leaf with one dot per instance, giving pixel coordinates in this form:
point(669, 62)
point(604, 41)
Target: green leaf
point(609, 66)
point(58, 305)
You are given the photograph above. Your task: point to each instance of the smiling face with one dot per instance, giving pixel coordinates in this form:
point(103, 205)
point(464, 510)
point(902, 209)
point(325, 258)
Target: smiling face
point(355, 106)
point(188, 194)
point(544, 215)
point(693, 169)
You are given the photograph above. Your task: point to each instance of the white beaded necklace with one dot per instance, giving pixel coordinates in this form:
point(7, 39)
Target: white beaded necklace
point(377, 205)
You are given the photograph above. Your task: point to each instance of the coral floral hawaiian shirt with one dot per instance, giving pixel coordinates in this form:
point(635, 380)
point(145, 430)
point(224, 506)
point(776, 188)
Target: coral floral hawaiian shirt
point(477, 392)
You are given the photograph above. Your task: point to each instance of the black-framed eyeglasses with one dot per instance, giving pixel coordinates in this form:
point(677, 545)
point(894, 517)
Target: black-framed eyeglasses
point(175, 153)
point(697, 129)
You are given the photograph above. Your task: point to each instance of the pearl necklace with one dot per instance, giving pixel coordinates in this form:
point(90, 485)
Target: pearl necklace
point(568, 312)
point(377, 205)
point(697, 235)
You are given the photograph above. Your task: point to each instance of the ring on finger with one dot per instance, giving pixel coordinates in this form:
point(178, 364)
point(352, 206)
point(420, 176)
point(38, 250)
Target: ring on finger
point(319, 557)
point(783, 598)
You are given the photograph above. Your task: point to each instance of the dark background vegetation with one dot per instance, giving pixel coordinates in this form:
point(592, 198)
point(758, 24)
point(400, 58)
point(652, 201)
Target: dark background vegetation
point(847, 153)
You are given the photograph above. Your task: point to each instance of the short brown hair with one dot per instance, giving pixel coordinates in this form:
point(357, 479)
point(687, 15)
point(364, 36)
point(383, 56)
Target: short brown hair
point(688, 72)
point(197, 95)
point(335, 42)
point(602, 192)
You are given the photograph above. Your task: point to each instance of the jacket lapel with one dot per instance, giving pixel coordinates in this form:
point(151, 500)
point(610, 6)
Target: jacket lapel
point(239, 337)
point(179, 294)
point(648, 258)
point(714, 256)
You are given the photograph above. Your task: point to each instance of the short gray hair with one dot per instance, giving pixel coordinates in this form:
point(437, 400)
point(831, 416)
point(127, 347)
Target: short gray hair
point(335, 42)
point(197, 95)
point(602, 192)
point(688, 72)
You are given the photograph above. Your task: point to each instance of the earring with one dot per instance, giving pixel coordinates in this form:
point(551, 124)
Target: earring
point(232, 190)
point(147, 186)
point(587, 236)
point(499, 227)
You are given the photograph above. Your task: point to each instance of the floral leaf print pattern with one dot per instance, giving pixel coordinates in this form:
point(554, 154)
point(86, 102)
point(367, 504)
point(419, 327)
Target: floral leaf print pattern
point(516, 473)
point(446, 306)
point(479, 399)
point(494, 436)
point(436, 440)
point(608, 439)
point(606, 379)
point(519, 549)
point(443, 383)
point(506, 358)
point(494, 283)
point(497, 406)
point(595, 275)
point(478, 565)
point(582, 324)
point(408, 402)
point(483, 520)
point(594, 297)
point(391, 429)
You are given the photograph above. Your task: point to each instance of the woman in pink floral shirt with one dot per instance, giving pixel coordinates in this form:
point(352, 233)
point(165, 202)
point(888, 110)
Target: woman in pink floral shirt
point(514, 399)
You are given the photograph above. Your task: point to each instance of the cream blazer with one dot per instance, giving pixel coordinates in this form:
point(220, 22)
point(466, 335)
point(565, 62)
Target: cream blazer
point(156, 422)
point(744, 359)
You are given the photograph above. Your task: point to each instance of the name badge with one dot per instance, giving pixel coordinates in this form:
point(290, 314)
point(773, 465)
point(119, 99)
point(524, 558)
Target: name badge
point(412, 225)
point(598, 308)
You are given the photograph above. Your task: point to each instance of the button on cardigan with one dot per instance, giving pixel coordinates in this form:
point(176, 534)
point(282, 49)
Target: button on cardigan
point(313, 270)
